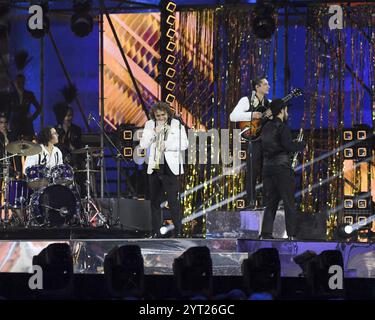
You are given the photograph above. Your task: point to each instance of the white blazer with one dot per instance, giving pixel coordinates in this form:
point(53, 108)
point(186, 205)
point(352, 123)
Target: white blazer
point(176, 142)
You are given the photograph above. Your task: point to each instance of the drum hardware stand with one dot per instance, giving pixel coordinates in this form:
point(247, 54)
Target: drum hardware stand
point(89, 203)
point(6, 167)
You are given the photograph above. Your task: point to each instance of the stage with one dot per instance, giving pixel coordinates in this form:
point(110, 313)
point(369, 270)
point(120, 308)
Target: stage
point(89, 247)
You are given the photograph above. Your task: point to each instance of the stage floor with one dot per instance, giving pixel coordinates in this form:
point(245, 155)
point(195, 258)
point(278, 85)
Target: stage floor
point(16, 252)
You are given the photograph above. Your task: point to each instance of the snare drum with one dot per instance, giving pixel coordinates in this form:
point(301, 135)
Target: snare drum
point(62, 174)
point(37, 176)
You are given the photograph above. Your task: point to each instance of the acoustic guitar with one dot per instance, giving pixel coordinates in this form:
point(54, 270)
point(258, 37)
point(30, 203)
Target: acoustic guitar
point(250, 130)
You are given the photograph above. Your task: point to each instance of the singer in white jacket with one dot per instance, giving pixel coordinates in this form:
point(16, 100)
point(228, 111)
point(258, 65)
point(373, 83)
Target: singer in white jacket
point(247, 109)
point(166, 139)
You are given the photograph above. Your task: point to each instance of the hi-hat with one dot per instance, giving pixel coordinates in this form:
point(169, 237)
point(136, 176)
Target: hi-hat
point(87, 150)
point(23, 148)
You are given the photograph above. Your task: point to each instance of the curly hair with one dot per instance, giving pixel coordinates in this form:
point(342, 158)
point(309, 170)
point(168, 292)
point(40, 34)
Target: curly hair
point(161, 106)
point(44, 136)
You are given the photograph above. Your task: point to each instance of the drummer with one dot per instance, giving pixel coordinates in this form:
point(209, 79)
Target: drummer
point(50, 155)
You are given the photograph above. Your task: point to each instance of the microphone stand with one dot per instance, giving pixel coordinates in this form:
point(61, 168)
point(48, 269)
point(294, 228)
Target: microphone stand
point(119, 156)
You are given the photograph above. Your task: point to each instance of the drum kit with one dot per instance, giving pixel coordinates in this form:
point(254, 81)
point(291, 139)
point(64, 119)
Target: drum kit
point(48, 197)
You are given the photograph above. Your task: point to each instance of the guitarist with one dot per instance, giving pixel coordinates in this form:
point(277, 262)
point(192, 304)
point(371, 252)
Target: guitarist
point(278, 175)
point(247, 109)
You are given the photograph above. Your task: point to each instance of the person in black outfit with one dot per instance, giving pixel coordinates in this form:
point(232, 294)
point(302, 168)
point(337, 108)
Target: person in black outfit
point(21, 118)
point(278, 175)
point(7, 136)
point(70, 138)
point(247, 109)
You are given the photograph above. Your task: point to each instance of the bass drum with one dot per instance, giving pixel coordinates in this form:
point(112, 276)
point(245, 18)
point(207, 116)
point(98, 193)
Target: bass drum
point(53, 206)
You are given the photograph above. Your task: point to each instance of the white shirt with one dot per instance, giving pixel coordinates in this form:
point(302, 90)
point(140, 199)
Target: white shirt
point(175, 143)
point(45, 158)
point(241, 110)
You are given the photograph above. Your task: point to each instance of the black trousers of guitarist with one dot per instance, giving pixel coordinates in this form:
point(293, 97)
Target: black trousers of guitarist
point(278, 175)
point(253, 169)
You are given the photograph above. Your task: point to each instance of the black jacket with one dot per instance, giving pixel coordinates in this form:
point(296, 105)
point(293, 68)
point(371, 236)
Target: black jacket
point(70, 139)
point(277, 144)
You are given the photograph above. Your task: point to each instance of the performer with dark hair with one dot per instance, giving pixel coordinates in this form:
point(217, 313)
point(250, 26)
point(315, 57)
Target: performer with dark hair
point(247, 109)
point(166, 138)
point(7, 136)
point(69, 134)
point(278, 175)
point(50, 155)
point(21, 118)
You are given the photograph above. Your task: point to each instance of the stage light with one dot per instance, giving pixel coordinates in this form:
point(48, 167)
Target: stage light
point(171, 19)
point(303, 260)
point(127, 135)
point(170, 33)
point(171, 46)
point(242, 155)
point(171, 7)
point(348, 203)
point(263, 21)
point(261, 271)
point(56, 262)
point(170, 98)
point(170, 72)
point(240, 203)
point(81, 22)
point(141, 152)
point(348, 135)
point(124, 271)
point(319, 273)
point(128, 152)
point(362, 204)
point(348, 220)
point(163, 230)
point(170, 85)
point(361, 134)
point(348, 153)
point(362, 152)
point(170, 59)
point(193, 272)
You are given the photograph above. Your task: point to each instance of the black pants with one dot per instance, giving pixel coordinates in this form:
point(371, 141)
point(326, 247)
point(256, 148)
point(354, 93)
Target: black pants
point(254, 169)
point(279, 184)
point(160, 182)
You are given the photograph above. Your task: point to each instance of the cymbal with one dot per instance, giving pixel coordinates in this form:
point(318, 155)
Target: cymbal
point(86, 150)
point(23, 148)
point(90, 170)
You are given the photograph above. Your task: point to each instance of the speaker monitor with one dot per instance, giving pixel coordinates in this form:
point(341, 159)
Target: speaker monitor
point(132, 214)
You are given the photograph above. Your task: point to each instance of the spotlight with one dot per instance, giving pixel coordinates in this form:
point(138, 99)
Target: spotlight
point(81, 22)
point(56, 262)
point(124, 271)
point(303, 260)
point(193, 272)
point(263, 21)
point(163, 230)
point(345, 231)
point(261, 271)
point(319, 274)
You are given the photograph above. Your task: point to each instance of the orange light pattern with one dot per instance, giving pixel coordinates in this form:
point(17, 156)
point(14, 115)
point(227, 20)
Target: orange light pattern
point(139, 35)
